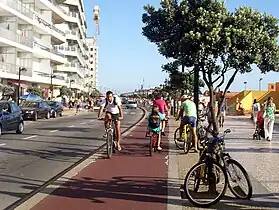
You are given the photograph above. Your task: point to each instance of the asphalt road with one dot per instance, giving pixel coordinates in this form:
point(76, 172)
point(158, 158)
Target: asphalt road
point(46, 148)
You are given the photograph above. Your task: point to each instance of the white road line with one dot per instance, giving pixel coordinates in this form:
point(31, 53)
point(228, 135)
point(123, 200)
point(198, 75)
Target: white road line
point(30, 137)
point(1, 145)
point(91, 120)
point(53, 131)
point(71, 126)
point(82, 123)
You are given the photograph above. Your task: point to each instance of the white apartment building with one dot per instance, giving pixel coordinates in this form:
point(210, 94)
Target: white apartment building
point(92, 61)
point(48, 39)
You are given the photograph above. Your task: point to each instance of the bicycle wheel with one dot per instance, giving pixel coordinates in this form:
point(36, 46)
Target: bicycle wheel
point(109, 143)
point(187, 142)
point(178, 142)
point(234, 179)
point(200, 175)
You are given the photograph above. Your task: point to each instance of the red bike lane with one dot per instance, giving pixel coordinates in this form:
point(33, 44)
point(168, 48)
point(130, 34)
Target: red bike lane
point(131, 180)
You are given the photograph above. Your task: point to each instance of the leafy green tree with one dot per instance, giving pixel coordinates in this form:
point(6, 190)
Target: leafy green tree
point(204, 35)
point(95, 93)
point(65, 91)
point(34, 90)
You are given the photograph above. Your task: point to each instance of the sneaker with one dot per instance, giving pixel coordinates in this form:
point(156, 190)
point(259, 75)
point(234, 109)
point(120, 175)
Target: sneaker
point(159, 148)
point(105, 136)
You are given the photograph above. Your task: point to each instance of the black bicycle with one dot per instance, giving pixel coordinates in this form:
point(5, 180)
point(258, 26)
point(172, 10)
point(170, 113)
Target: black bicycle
point(214, 164)
point(111, 135)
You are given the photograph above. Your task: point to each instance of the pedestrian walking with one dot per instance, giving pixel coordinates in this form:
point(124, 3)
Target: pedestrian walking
point(269, 118)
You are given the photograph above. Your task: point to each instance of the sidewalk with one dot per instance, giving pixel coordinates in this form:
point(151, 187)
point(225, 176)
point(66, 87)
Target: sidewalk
point(259, 158)
point(131, 180)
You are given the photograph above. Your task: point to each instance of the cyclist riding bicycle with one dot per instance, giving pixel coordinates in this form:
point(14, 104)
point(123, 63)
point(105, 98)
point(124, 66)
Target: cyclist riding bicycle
point(163, 109)
point(113, 106)
point(189, 109)
point(155, 119)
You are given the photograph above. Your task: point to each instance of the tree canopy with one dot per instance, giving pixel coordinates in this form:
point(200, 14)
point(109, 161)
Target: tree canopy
point(205, 35)
point(34, 90)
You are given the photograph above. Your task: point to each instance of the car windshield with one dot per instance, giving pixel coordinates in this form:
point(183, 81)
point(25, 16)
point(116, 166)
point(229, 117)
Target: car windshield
point(132, 102)
point(30, 104)
point(52, 103)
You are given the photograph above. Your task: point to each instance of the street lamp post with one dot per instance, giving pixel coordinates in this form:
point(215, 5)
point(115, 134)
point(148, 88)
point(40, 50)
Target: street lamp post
point(245, 85)
point(20, 69)
point(260, 84)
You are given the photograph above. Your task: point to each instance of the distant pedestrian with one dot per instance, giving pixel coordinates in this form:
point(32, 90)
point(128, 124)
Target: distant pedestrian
point(269, 118)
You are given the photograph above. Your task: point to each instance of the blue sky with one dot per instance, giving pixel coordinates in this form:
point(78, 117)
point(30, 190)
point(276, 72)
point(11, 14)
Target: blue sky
point(126, 57)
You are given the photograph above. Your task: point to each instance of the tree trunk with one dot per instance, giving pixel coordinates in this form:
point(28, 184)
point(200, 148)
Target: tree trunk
point(213, 109)
point(196, 86)
point(183, 91)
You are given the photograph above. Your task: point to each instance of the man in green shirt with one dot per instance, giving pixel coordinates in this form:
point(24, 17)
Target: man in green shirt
point(188, 114)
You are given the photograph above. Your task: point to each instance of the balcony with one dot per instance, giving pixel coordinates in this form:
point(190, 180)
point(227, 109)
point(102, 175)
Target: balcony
point(11, 38)
point(17, 6)
point(41, 50)
point(11, 71)
point(70, 67)
point(58, 14)
point(75, 35)
point(71, 51)
point(42, 77)
point(44, 27)
point(74, 17)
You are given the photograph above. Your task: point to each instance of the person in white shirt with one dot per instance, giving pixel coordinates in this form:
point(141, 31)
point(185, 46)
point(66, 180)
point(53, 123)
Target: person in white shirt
point(113, 106)
point(256, 107)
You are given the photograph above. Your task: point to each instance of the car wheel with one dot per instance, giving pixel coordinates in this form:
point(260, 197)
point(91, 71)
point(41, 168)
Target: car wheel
point(48, 115)
point(0, 130)
point(61, 114)
point(54, 114)
point(20, 128)
point(35, 116)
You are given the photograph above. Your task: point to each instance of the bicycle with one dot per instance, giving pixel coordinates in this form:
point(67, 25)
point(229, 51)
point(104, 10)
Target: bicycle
point(110, 133)
point(213, 163)
point(153, 145)
point(186, 142)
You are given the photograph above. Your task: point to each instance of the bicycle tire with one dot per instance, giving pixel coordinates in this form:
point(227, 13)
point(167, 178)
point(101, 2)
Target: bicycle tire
point(187, 142)
point(176, 134)
point(151, 145)
point(218, 198)
point(109, 143)
point(234, 191)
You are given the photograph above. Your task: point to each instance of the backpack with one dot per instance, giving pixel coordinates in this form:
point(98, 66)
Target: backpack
point(114, 102)
point(154, 121)
point(256, 107)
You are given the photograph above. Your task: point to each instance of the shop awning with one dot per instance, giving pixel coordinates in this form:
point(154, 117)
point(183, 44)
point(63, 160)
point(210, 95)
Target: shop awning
point(22, 85)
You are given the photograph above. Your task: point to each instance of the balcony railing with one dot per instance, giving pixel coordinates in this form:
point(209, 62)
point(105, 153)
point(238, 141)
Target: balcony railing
point(43, 47)
point(47, 24)
point(47, 75)
point(20, 7)
point(13, 36)
point(14, 69)
point(58, 6)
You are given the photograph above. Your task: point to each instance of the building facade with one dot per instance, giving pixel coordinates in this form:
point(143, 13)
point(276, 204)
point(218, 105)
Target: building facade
point(46, 39)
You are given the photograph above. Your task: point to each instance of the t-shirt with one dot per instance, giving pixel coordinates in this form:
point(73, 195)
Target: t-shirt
point(161, 104)
point(270, 111)
point(189, 108)
point(111, 107)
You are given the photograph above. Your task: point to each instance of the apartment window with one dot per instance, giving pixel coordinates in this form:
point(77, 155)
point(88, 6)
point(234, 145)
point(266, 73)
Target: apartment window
point(91, 56)
point(272, 87)
point(91, 69)
point(91, 49)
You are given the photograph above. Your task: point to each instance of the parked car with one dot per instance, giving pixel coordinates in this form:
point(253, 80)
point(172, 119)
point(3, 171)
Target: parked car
point(10, 117)
point(131, 105)
point(56, 108)
point(35, 109)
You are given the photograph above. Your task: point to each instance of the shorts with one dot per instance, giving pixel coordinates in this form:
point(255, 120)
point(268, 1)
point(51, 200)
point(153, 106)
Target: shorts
point(115, 117)
point(190, 120)
point(164, 116)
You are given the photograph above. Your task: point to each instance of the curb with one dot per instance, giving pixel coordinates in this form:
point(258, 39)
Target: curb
point(36, 195)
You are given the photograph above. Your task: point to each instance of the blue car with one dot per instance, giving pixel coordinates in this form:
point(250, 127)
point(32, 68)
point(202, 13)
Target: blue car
point(10, 117)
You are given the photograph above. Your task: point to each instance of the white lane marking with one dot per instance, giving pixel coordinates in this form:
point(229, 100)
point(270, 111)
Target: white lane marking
point(30, 137)
point(82, 123)
point(91, 120)
point(133, 113)
point(1, 145)
point(53, 131)
point(71, 126)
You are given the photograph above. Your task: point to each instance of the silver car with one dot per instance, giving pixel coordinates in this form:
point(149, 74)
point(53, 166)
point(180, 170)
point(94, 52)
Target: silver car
point(131, 105)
